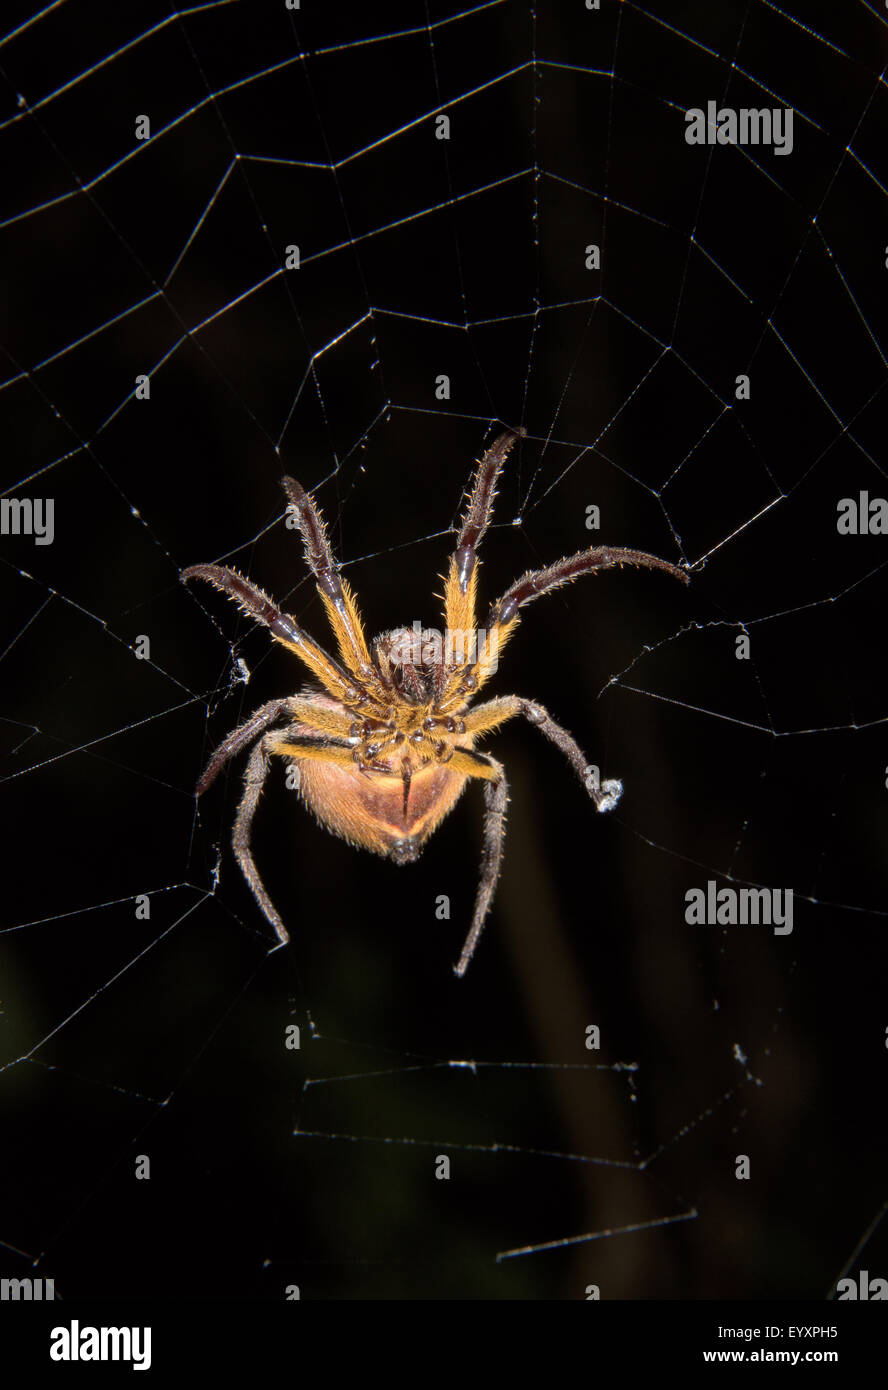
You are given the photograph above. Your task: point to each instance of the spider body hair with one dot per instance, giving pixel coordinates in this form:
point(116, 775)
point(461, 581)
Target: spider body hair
point(386, 746)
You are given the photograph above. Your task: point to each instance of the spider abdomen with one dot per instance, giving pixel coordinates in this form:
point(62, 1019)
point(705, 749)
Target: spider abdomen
point(375, 810)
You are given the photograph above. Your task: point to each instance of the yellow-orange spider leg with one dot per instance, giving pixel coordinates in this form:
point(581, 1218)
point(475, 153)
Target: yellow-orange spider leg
point(459, 598)
point(502, 619)
point(337, 597)
point(320, 717)
point(257, 605)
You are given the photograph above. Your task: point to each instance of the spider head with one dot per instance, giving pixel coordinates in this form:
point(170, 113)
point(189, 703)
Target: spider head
point(411, 658)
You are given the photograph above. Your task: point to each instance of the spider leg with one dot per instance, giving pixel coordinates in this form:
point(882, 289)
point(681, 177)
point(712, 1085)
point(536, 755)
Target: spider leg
point(337, 597)
point(459, 615)
point(254, 781)
point(495, 712)
point(319, 717)
point(239, 738)
point(496, 797)
point(258, 606)
point(289, 742)
point(535, 583)
point(503, 618)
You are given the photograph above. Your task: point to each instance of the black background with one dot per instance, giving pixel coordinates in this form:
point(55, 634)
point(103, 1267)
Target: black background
point(771, 770)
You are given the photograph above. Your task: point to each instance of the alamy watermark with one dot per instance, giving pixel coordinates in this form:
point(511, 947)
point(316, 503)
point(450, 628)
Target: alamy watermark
point(27, 1290)
point(28, 516)
point(743, 907)
point(744, 126)
point(419, 646)
point(76, 1343)
point(862, 515)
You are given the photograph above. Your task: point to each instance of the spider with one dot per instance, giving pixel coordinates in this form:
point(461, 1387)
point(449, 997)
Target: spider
point(384, 744)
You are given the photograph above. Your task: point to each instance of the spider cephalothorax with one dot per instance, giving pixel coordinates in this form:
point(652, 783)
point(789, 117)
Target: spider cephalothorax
point(385, 748)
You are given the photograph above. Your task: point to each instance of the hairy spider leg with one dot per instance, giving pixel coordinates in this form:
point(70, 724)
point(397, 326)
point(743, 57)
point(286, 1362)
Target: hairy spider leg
point(338, 599)
point(321, 717)
point(461, 582)
point(489, 716)
point(503, 616)
point(496, 799)
point(289, 743)
point(460, 593)
point(257, 605)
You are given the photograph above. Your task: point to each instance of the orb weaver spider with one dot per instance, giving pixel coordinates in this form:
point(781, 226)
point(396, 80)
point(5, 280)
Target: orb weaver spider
point(385, 747)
